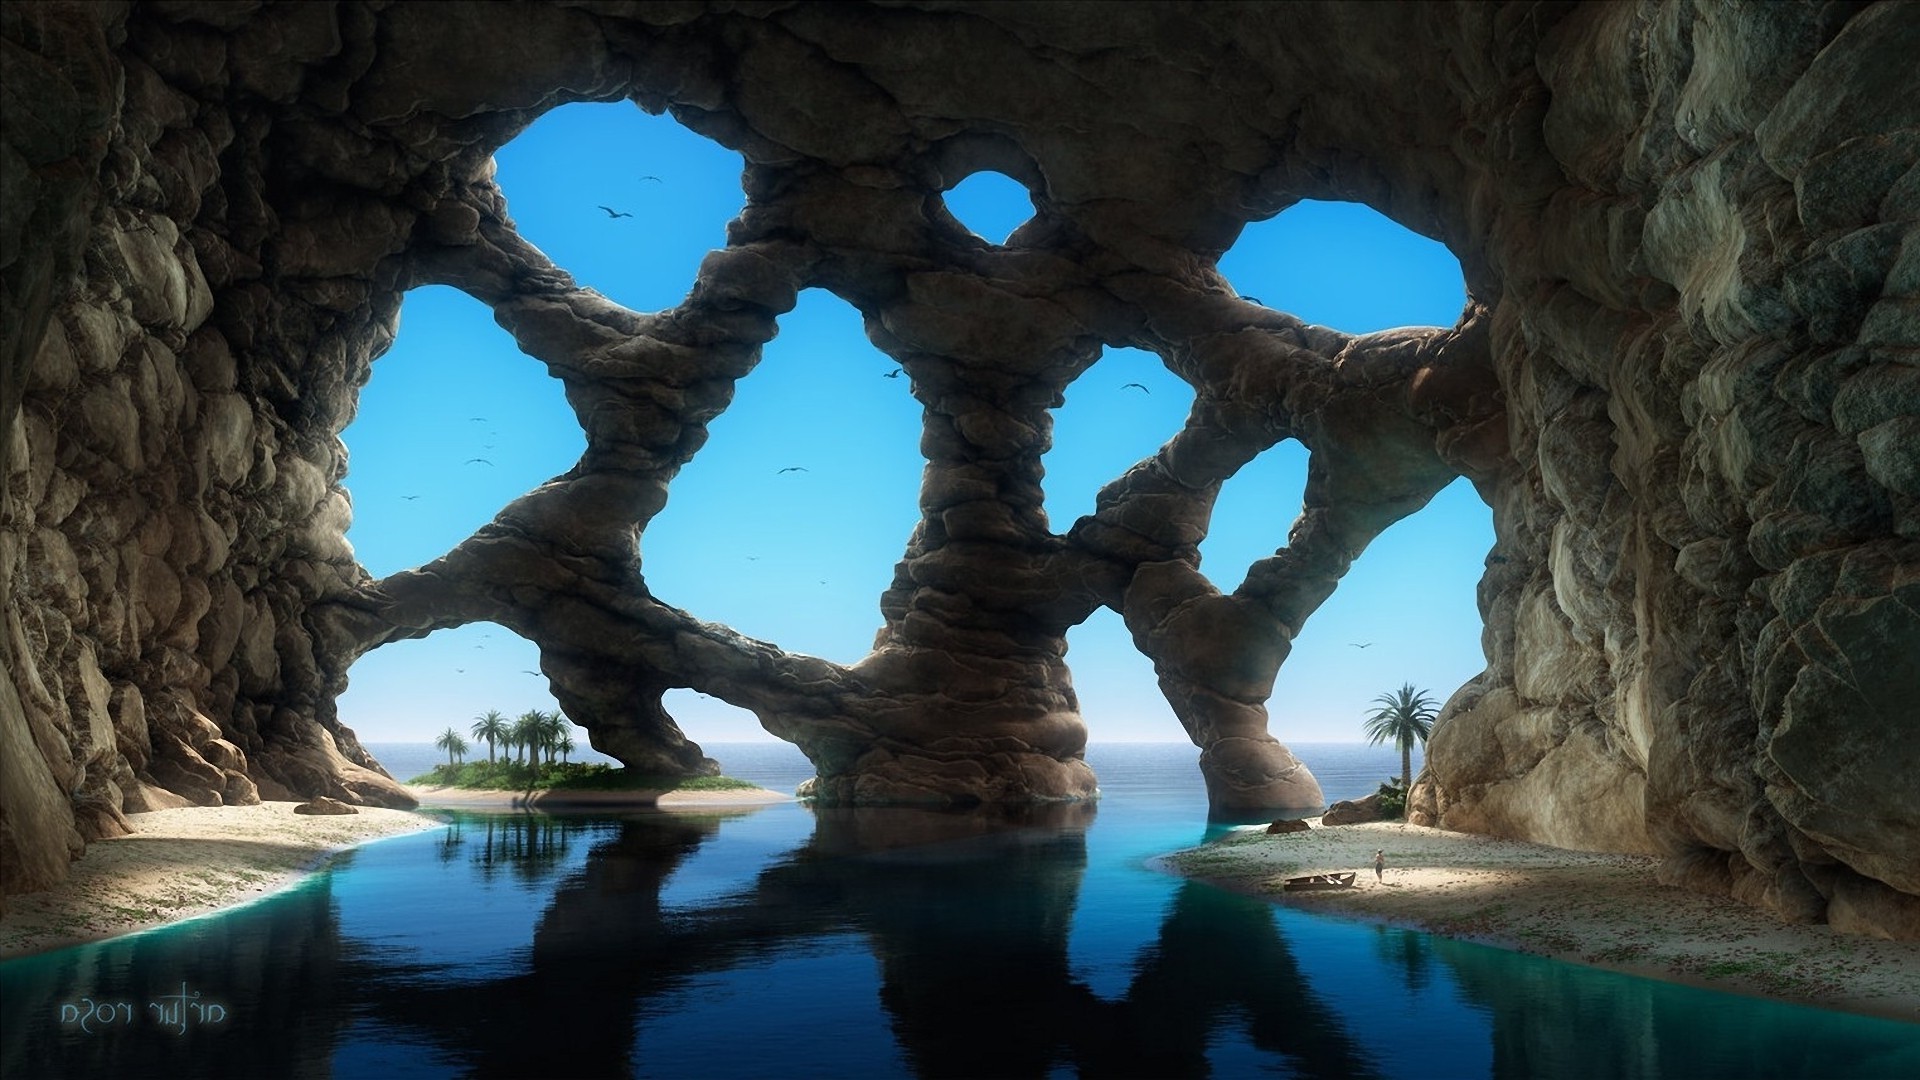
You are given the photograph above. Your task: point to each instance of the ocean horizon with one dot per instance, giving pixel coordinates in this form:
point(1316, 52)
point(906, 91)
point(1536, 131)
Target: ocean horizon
point(1346, 770)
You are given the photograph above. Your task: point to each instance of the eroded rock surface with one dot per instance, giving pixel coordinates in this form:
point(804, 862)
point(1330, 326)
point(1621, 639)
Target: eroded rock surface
point(1685, 382)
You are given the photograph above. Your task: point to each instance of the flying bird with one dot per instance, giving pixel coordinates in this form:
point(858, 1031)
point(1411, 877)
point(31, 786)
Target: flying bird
point(894, 374)
point(524, 671)
point(1357, 645)
point(409, 498)
point(1137, 386)
point(753, 558)
point(478, 419)
point(653, 178)
point(612, 213)
point(1253, 300)
point(794, 468)
point(481, 460)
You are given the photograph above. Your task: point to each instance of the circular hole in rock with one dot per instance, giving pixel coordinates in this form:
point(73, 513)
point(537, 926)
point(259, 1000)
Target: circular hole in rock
point(990, 204)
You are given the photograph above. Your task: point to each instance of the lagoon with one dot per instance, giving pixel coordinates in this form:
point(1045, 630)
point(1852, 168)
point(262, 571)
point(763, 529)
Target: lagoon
point(788, 942)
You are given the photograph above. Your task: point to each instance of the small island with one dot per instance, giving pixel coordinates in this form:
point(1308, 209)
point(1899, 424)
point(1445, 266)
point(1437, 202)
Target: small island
point(562, 785)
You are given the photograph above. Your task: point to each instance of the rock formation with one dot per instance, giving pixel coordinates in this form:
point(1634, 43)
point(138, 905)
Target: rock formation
point(1685, 382)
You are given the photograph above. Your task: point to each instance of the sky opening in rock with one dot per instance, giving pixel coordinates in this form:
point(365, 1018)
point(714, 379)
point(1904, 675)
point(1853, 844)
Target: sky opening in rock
point(787, 523)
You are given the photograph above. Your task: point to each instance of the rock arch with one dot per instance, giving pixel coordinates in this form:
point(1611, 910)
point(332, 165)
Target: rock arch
point(1682, 383)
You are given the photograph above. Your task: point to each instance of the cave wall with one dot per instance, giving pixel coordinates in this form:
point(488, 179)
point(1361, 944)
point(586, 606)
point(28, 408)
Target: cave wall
point(1685, 383)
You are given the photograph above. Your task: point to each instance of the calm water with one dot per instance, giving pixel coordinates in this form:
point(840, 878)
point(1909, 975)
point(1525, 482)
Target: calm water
point(784, 942)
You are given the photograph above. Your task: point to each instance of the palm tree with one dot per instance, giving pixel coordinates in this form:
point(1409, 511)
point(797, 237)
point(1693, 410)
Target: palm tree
point(1403, 717)
point(452, 743)
point(491, 727)
point(530, 731)
point(553, 727)
point(566, 746)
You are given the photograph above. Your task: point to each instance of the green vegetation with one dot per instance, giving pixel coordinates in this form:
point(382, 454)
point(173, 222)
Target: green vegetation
point(453, 744)
point(1402, 718)
point(509, 775)
point(1393, 800)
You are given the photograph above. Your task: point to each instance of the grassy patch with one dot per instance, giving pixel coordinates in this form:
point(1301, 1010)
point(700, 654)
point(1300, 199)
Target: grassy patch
point(508, 776)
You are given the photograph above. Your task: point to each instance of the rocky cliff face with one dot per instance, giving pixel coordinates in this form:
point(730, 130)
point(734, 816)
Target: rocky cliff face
point(1686, 382)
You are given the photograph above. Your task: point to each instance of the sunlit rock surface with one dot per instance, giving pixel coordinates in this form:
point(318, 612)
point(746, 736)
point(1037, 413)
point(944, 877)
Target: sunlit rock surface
point(1686, 383)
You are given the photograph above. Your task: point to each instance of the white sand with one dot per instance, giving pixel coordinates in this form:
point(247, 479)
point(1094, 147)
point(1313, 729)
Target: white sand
point(1602, 910)
point(200, 859)
point(186, 862)
point(492, 799)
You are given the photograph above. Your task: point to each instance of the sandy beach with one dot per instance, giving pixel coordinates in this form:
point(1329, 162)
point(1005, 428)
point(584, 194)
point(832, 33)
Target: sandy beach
point(1601, 910)
point(185, 862)
point(451, 798)
point(197, 860)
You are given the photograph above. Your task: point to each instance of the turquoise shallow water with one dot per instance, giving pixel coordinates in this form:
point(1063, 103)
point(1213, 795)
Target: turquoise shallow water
point(785, 942)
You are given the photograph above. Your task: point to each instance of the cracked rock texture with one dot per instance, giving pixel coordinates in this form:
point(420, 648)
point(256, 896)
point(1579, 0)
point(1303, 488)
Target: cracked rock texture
point(1687, 382)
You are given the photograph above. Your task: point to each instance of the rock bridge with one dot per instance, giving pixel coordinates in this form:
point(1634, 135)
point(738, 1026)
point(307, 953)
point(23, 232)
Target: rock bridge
point(1685, 382)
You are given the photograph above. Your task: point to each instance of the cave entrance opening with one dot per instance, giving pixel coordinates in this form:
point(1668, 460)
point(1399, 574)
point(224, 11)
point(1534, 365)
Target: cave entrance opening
point(455, 421)
point(787, 523)
point(411, 690)
point(1407, 610)
point(990, 204)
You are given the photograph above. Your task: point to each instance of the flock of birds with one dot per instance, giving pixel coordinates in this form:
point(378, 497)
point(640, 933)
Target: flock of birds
point(612, 213)
point(488, 462)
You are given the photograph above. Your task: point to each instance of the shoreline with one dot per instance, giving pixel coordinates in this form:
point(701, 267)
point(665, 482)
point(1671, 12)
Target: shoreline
point(454, 798)
point(187, 863)
point(194, 861)
point(1593, 909)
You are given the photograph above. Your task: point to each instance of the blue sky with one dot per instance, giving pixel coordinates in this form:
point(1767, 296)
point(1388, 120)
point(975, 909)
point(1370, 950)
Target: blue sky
point(800, 558)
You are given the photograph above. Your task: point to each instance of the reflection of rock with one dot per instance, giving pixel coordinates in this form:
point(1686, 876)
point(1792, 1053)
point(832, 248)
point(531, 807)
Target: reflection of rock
point(1695, 432)
point(870, 831)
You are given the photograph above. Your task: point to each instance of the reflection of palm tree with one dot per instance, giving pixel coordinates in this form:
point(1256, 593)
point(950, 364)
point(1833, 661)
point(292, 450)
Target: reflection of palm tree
point(1402, 717)
point(491, 727)
point(453, 744)
point(450, 841)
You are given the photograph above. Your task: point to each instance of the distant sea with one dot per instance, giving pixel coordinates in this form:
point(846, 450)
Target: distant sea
point(1345, 770)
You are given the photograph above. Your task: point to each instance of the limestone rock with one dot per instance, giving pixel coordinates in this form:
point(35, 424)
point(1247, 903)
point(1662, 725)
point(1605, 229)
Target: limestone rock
point(1353, 811)
point(1684, 385)
point(320, 804)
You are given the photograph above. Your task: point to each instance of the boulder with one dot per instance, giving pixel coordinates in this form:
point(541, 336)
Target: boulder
point(1353, 812)
point(321, 804)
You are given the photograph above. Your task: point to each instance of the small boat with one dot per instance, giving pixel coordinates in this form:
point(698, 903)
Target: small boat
point(1319, 881)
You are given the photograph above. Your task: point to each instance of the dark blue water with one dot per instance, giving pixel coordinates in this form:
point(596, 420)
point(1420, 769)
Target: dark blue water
point(785, 942)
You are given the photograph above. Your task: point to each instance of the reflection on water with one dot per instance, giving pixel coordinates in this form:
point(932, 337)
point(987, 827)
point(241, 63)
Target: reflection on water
point(855, 942)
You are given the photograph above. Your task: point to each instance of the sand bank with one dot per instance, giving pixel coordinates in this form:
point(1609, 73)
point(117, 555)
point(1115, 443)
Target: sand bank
point(197, 860)
point(451, 798)
point(190, 861)
point(1601, 910)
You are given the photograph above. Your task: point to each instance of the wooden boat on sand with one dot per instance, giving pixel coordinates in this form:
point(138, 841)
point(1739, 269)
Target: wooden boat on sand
point(1319, 881)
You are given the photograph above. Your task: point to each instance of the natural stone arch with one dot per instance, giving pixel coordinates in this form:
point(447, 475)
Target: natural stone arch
point(225, 203)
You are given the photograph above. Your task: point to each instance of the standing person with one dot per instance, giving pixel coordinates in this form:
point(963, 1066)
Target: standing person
point(1379, 864)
